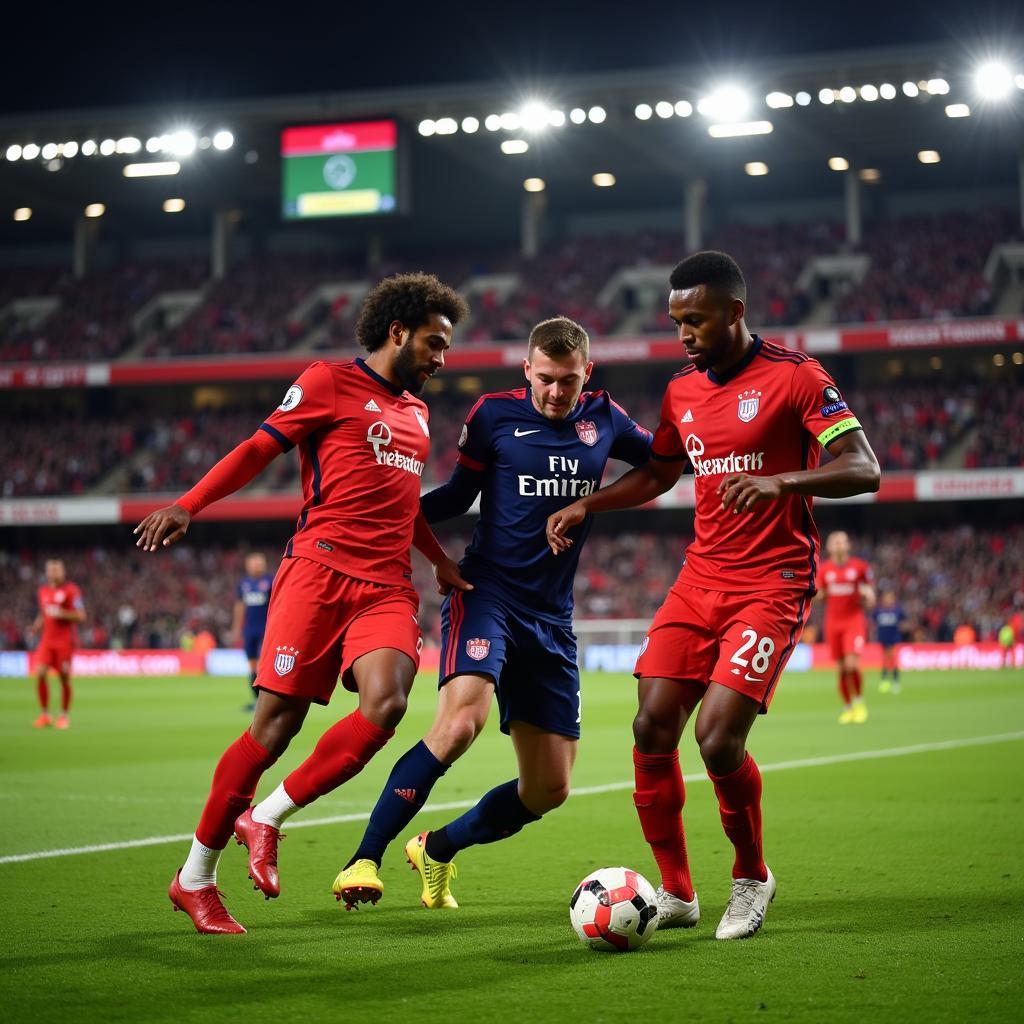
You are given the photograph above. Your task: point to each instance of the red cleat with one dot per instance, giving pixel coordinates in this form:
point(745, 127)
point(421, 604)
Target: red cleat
point(261, 842)
point(63, 722)
point(205, 907)
point(42, 721)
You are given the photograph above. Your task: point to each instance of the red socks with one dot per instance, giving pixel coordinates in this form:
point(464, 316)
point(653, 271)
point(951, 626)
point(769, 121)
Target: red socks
point(234, 783)
point(343, 751)
point(659, 798)
point(851, 685)
point(65, 694)
point(856, 682)
point(844, 687)
point(43, 692)
point(739, 802)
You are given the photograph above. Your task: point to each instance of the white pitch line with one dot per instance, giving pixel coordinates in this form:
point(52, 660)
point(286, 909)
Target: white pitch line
point(610, 787)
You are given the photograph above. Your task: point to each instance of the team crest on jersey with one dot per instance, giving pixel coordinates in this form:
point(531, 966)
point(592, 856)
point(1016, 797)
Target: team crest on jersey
point(292, 397)
point(284, 661)
point(750, 402)
point(587, 429)
point(644, 645)
point(464, 436)
point(478, 648)
point(422, 422)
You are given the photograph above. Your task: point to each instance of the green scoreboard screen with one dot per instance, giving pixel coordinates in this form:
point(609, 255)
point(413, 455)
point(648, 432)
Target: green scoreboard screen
point(339, 170)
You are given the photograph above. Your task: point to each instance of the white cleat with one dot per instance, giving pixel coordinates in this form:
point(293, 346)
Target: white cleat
point(676, 913)
point(748, 904)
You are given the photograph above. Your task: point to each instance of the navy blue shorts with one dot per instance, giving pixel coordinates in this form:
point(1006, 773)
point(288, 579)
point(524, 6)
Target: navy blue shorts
point(252, 642)
point(532, 662)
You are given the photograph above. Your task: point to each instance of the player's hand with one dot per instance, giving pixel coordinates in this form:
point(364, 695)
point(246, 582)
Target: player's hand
point(162, 527)
point(559, 522)
point(448, 577)
point(742, 492)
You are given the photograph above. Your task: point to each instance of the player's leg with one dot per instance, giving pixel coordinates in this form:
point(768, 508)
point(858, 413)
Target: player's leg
point(42, 690)
point(64, 672)
point(885, 686)
point(834, 639)
point(856, 682)
point(895, 669)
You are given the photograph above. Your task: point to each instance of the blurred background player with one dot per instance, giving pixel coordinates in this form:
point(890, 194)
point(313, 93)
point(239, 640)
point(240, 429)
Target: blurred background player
point(847, 590)
point(249, 621)
point(890, 627)
point(60, 611)
point(1007, 638)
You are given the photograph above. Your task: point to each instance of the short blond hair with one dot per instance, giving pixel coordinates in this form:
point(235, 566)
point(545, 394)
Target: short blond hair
point(559, 336)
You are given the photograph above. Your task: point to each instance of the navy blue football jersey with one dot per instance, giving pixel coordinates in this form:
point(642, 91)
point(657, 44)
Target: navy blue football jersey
point(254, 593)
point(526, 467)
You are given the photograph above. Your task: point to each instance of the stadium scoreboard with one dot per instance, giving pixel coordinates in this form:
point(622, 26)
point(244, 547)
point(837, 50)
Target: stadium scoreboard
point(339, 170)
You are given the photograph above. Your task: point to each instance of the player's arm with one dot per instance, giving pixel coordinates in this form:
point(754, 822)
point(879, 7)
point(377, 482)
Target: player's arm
point(446, 570)
point(868, 596)
point(36, 626)
point(237, 615)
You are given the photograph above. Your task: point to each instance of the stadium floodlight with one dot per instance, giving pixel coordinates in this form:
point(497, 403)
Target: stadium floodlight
point(577, 115)
point(181, 143)
point(778, 100)
point(447, 126)
point(13, 152)
point(534, 116)
point(427, 127)
point(223, 139)
point(69, 149)
point(597, 115)
point(643, 111)
point(128, 145)
point(174, 205)
point(756, 169)
point(803, 99)
point(153, 170)
point(847, 94)
point(89, 147)
point(205, 142)
point(50, 150)
point(513, 147)
point(993, 80)
point(869, 93)
point(534, 185)
point(492, 122)
point(999, 359)
point(1018, 358)
point(910, 89)
point(826, 96)
point(470, 125)
point(556, 118)
point(870, 175)
point(603, 179)
point(958, 110)
point(30, 152)
point(108, 147)
point(95, 210)
point(838, 163)
point(726, 103)
point(929, 156)
point(511, 121)
point(735, 131)
point(664, 109)
point(1018, 80)
point(683, 108)
point(937, 87)
point(154, 144)
point(887, 91)
point(23, 213)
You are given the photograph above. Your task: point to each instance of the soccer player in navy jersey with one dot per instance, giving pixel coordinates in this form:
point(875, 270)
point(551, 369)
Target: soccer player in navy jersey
point(249, 621)
point(527, 453)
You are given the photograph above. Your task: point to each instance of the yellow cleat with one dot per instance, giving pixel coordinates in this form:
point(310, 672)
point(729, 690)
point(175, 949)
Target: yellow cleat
point(358, 883)
point(846, 718)
point(860, 713)
point(435, 874)
point(884, 686)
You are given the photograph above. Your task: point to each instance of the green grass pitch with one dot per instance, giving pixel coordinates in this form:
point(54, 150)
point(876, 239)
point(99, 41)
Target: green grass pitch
point(900, 876)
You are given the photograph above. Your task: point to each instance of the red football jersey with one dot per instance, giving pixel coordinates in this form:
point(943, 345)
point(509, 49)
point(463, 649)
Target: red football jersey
point(772, 413)
point(841, 584)
point(362, 446)
point(66, 598)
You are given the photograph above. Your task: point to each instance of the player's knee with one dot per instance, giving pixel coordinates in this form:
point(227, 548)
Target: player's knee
point(387, 710)
point(542, 797)
point(650, 735)
point(456, 734)
point(721, 750)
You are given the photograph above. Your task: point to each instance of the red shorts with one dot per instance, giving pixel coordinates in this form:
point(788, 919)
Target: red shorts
point(742, 641)
point(846, 637)
point(56, 657)
point(320, 621)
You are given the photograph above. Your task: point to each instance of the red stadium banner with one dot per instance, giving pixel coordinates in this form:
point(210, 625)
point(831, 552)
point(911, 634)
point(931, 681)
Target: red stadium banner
point(917, 657)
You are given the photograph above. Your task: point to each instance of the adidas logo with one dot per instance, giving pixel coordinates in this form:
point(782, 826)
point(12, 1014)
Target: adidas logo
point(687, 417)
point(371, 406)
point(407, 794)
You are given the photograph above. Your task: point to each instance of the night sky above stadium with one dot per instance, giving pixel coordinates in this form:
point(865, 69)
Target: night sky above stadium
point(88, 56)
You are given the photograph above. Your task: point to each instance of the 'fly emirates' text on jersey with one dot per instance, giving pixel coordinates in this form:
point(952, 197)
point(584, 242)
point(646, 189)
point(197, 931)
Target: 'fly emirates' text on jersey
point(66, 598)
point(528, 467)
point(772, 413)
point(841, 584)
point(362, 446)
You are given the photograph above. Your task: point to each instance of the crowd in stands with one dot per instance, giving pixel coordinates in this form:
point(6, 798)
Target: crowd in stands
point(945, 578)
point(924, 267)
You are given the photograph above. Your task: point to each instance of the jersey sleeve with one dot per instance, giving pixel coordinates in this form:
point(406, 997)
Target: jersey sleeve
point(75, 598)
point(307, 405)
point(475, 442)
point(867, 575)
point(667, 445)
point(819, 405)
point(632, 442)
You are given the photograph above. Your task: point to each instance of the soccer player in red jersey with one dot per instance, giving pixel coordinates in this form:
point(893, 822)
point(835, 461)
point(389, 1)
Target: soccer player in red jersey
point(848, 590)
point(60, 611)
point(342, 602)
point(753, 418)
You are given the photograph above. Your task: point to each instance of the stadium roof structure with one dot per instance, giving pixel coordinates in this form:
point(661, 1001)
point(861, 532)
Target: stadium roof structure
point(906, 118)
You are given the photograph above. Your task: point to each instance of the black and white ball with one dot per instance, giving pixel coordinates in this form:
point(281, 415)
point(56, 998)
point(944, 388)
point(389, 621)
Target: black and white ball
point(614, 910)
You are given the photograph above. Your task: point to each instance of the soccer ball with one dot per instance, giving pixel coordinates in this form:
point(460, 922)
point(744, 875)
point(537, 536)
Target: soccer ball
point(614, 909)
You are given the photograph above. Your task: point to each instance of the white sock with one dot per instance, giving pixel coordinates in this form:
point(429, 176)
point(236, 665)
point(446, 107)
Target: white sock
point(275, 809)
point(200, 868)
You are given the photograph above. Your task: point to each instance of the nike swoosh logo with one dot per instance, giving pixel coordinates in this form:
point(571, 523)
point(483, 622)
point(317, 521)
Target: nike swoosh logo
point(753, 679)
point(523, 433)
